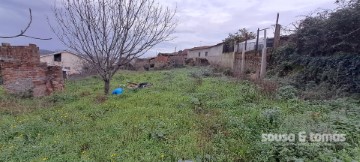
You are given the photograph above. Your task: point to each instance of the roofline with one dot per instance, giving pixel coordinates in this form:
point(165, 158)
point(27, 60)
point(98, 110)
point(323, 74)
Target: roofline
point(167, 54)
point(200, 48)
point(206, 47)
point(59, 52)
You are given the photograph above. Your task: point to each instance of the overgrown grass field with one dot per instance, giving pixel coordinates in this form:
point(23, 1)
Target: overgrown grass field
point(185, 115)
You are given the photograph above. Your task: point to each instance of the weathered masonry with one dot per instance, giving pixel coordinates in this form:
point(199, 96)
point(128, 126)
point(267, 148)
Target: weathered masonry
point(23, 73)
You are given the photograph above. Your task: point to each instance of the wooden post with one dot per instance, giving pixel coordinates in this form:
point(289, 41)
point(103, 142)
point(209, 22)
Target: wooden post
point(257, 42)
point(277, 33)
point(263, 59)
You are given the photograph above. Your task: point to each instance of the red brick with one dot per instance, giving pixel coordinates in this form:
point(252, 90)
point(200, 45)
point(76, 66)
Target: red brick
point(22, 71)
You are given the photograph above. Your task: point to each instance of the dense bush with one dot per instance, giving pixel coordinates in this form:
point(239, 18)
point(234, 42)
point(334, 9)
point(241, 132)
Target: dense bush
point(286, 92)
point(324, 52)
point(329, 32)
point(340, 72)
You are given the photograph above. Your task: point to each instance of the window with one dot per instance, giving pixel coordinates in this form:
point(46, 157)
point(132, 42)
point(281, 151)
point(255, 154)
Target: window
point(57, 57)
point(199, 54)
point(206, 54)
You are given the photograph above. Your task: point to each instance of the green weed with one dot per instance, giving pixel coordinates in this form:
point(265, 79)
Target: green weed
point(182, 116)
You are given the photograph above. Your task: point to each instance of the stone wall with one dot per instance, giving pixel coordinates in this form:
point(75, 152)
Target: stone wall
point(252, 62)
point(23, 74)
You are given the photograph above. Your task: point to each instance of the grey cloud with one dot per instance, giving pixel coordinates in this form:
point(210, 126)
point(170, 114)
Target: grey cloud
point(201, 22)
point(17, 18)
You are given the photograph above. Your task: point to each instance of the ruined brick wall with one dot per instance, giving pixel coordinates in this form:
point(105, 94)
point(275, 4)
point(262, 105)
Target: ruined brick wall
point(141, 64)
point(177, 59)
point(23, 74)
point(24, 55)
point(55, 81)
point(161, 61)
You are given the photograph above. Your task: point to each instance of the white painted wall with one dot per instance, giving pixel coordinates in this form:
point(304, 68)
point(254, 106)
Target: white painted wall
point(68, 60)
point(214, 56)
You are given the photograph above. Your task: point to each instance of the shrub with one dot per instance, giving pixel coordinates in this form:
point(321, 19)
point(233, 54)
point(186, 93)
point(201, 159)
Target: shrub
point(286, 92)
point(329, 32)
point(324, 51)
point(267, 87)
point(340, 72)
point(228, 72)
point(272, 116)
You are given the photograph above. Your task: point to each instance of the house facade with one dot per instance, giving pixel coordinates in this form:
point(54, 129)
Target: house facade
point(70, 63)
point(214, 54)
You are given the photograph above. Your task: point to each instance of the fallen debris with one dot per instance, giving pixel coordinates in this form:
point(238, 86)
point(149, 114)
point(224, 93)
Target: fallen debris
point(134, 86)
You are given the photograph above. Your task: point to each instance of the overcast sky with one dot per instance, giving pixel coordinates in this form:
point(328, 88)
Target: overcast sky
point(201, 22)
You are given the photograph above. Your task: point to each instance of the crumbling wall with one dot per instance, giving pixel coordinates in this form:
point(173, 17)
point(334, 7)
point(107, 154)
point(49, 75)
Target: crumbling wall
point(23, 74)
point(141, 64)
point(55, 81)
point(177, 60)
point(161, 61)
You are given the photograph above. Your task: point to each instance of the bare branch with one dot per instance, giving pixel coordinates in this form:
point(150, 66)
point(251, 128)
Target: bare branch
point(22, 32)
point(110, 33)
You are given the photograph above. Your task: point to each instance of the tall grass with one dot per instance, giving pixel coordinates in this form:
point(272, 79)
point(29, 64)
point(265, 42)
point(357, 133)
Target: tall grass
point(185, 115)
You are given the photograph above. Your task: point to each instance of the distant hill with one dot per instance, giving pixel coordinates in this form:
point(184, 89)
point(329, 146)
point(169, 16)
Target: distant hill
point(44, 51)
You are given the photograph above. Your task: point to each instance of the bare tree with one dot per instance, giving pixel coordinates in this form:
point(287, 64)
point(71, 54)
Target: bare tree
point(22, 32)
point(110, 33)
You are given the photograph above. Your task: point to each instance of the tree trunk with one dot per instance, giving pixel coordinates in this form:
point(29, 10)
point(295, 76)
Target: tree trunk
point(107, 86)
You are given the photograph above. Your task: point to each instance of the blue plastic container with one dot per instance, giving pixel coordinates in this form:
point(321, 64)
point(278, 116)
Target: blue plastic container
point(118, 91)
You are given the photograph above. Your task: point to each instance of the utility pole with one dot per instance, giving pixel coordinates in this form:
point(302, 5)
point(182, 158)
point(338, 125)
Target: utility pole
point(263, 58)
